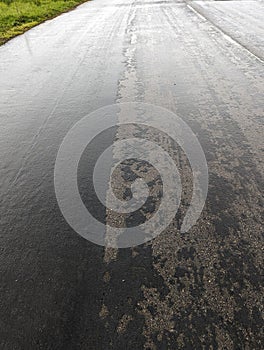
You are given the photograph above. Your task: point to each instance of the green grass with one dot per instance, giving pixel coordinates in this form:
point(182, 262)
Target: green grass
point(17, 16)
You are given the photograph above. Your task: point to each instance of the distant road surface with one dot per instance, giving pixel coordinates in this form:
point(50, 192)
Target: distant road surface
point(199, 290)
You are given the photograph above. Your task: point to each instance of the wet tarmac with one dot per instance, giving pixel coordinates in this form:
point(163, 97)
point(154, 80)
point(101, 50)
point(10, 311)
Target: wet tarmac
point(199, 290)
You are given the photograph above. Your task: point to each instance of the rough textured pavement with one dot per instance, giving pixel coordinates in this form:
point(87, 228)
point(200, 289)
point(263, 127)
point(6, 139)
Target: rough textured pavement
point(200, 290)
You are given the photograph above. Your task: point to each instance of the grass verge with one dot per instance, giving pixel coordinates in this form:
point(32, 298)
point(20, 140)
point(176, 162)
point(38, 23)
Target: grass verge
point(17, 16)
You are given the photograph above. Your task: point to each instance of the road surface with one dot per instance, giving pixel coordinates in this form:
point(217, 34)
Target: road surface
point(198, 290)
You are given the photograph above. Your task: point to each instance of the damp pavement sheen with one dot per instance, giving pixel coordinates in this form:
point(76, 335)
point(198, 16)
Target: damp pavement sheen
point(198, 290)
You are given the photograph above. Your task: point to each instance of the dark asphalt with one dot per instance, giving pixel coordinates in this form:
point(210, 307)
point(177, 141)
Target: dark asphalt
point(198, 290)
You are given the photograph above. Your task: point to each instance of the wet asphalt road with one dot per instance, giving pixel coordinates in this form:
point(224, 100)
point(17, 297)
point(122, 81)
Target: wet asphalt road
point(200, 290)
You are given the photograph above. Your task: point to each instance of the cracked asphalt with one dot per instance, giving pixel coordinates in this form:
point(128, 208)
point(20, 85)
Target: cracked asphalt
point(203, 289)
